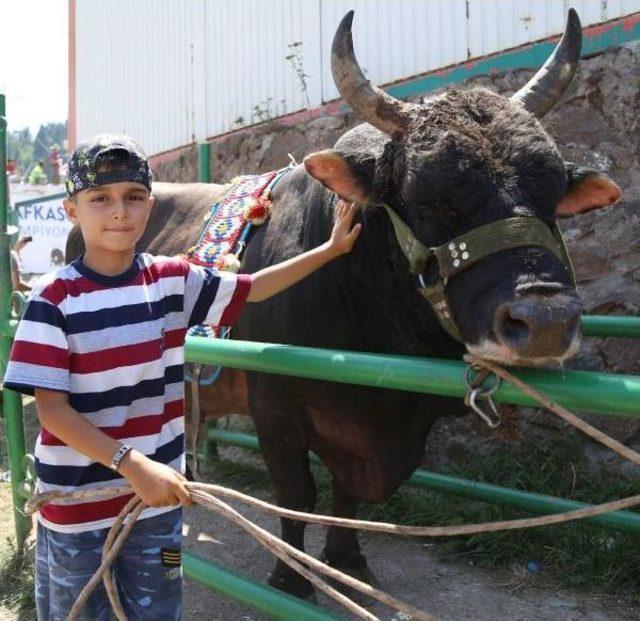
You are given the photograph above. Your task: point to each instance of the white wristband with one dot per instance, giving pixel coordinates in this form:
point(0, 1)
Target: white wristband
point(119, 456)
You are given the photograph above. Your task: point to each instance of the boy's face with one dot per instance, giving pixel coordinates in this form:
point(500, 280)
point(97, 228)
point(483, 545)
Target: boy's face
point(112, 217)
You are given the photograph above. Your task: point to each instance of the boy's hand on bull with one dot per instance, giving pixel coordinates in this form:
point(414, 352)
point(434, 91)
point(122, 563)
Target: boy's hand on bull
point(344, 235)
point(276, 278)
point(157, 484)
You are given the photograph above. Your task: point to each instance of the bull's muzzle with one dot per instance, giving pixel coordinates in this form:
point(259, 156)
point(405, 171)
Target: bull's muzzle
point(539, 326)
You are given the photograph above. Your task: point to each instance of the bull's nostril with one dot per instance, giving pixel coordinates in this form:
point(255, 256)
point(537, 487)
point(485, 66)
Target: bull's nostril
point(538, 326)
point(514, 330)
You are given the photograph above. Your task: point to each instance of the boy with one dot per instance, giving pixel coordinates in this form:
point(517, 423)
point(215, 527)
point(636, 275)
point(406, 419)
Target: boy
point(101, 346)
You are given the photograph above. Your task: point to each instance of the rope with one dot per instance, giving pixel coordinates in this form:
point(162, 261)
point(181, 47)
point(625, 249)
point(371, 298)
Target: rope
point(195, 416)
point(556, 408)
point(288, 554)
point(207, 494)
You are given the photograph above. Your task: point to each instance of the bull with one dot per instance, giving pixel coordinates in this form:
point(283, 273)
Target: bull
point(428, 175)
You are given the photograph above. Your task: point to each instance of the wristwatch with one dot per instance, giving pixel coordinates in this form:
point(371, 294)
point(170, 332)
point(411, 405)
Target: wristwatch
point(118, 456)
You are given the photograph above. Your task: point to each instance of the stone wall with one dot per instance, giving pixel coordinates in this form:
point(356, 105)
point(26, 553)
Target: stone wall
point(596, 124)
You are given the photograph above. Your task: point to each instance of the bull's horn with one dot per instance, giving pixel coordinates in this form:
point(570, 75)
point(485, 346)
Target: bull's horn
point(546, 87)
point(368, 101)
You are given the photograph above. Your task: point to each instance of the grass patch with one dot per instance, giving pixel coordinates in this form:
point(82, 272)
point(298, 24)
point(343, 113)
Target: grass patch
point(573, 555)
point(16, 574)
point(16, 578)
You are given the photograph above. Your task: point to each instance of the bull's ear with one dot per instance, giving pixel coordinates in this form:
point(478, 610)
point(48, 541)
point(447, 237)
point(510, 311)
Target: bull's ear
point(588, 189)
point(333, 170)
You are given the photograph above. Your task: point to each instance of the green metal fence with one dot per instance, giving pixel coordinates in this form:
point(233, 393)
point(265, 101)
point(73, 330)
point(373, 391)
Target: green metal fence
point(593, 392)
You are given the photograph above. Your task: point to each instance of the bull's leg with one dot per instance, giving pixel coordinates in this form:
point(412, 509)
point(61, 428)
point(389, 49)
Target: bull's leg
point(342, 549)
point(283, 577)
point(285, 450)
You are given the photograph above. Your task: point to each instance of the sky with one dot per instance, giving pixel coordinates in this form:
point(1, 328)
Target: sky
point(34, 67)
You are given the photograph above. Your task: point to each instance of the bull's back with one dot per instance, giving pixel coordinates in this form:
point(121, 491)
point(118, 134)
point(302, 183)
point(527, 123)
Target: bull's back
point(175, 222)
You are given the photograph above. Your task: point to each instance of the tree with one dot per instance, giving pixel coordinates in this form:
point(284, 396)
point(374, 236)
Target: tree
point(20, 149)
point(26, 151)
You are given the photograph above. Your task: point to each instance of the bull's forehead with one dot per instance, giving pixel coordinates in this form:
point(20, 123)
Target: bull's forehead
point(477, 115)
point(476, 147)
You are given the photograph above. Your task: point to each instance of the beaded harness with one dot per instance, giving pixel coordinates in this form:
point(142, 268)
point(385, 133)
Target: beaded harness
point(245, 204)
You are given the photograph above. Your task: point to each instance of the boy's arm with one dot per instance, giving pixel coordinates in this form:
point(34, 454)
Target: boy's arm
point(157, 485)
point(276, 278)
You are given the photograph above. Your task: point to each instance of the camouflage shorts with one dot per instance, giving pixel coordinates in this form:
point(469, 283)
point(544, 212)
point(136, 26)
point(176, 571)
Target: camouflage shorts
point(147, 571)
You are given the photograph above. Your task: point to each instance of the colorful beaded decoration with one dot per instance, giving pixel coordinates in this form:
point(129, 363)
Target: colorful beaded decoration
point(245, 204)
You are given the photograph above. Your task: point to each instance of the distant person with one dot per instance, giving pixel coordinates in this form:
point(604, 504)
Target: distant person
point(37, 176)
point(16, 275)
point(12, 171)
point(54, 164)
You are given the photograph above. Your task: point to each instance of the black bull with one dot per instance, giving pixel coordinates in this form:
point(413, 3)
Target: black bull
point(446, 166)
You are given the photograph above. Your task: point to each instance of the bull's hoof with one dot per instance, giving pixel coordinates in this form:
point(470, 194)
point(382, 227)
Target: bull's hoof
point(357, 568)
point(293, 584)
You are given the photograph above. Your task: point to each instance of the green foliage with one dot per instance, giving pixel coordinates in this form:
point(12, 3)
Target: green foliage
point(20, 149)
point(47, 136)
point(296, 58)
point(574, 554)
point(16, 580)
point(27, 150)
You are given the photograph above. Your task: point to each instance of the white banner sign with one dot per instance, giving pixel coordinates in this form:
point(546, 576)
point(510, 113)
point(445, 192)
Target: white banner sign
point(45, 220)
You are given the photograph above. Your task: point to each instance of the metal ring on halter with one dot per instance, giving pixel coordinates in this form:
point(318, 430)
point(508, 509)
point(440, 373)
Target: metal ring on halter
point(472, 382)
point(476, 390)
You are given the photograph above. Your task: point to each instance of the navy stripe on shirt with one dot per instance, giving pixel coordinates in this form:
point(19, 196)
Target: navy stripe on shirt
point(86, 402)
point(96, 472)
point(205, 298)
point(44, 312)
point(91, 321)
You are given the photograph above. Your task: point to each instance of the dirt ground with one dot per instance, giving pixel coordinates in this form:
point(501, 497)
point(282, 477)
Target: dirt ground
point(407, 568)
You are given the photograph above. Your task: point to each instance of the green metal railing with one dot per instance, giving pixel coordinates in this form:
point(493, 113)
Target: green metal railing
point(611, 325)
point(628, 521)
point(274, 603)
point(581, 390)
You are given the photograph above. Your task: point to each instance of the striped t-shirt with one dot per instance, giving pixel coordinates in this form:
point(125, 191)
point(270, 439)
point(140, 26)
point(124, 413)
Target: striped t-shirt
point(115, 344)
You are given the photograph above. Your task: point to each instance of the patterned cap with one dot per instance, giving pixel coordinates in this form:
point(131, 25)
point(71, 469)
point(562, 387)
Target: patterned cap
point(81, 169)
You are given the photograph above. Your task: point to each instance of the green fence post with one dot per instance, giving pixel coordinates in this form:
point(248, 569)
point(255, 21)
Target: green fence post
point(209, 447)
point(11, 401)
point(204, 172)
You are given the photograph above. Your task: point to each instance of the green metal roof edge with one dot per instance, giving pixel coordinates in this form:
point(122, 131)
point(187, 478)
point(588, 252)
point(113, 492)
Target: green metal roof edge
point(595, 39)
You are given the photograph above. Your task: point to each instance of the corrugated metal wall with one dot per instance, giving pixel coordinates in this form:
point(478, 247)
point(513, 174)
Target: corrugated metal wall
point(133, 70)
point(494, 25)
point(171, 72)
point(248, 77)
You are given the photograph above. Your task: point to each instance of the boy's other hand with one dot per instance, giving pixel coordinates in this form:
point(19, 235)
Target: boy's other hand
point(343, 236)
point(157, 485)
